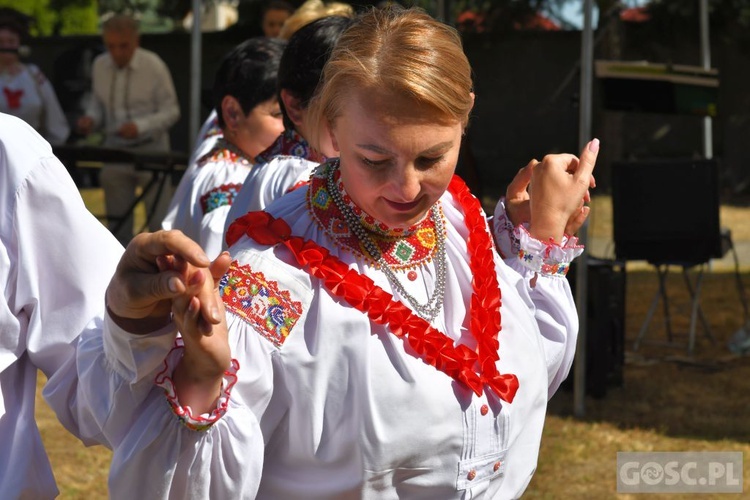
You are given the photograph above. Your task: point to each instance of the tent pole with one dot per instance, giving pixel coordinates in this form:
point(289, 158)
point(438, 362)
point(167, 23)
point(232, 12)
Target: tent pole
point(195, 75)
point(708, 145)
point(584, 135)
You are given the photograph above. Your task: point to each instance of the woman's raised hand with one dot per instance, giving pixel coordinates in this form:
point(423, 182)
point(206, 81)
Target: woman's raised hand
point(558, 189)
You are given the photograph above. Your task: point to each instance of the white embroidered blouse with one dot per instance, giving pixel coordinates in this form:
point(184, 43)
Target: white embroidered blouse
point(324, 403)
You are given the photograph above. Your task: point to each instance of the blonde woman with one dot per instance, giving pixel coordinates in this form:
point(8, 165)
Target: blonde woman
point(375, 343)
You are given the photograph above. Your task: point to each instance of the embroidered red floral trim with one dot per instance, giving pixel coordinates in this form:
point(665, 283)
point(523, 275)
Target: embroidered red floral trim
point(290, 143)
point(516, 241)
point(185, 413)
point(260, 302)
point(432, 346)
point(219, 196)
point(548, 258)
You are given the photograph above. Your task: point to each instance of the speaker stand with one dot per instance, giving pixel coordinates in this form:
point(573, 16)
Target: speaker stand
point(696, 312)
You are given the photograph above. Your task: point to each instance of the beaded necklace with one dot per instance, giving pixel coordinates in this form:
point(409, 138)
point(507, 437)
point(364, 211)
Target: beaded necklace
point(429, 310)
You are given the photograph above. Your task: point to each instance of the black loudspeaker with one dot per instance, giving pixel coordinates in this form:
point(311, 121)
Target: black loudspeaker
point(666, 211)
point(605, 326)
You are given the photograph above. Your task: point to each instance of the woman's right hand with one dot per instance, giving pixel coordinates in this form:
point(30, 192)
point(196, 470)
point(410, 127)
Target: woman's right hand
point(559, 187)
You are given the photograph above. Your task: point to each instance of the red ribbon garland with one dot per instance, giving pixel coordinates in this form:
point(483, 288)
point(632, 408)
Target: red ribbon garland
point(435, 348)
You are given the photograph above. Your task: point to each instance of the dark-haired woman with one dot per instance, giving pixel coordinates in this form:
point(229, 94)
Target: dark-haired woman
point(290, 160)
point(249, 117)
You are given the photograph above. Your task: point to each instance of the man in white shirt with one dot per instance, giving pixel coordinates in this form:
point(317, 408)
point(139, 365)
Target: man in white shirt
point(135, 103)
point(56, 260)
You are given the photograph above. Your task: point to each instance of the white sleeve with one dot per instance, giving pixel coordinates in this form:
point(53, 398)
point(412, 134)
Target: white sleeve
point(206, 198)
point(502, 231)
point(182, 213)
point(65, 261)
point(557, 317)
point(155, 455)
point(212, 231)
point(543, 269)
point(268, 182)
point(159, 445)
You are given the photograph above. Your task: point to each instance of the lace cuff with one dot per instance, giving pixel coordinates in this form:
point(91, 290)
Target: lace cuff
point(546, 258)
point(185, 413)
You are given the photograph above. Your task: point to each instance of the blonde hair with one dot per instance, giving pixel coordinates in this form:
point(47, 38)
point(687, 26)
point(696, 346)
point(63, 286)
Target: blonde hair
point(402, 52)
point(313, 10)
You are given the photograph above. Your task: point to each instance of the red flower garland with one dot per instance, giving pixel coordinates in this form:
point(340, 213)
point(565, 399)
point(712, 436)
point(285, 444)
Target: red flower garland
point(434, 347)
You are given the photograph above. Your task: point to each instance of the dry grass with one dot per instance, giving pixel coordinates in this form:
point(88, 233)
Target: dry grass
point(668, 401)
point(81, 472)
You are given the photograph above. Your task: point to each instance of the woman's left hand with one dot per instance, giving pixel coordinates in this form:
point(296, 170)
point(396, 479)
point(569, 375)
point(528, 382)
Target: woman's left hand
point(518, 198)
point(559, 188)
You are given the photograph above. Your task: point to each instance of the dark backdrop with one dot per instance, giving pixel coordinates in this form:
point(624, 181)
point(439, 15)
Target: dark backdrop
point(526, 85)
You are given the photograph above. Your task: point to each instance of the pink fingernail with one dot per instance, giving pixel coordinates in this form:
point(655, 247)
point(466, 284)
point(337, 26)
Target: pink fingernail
point(594, 146)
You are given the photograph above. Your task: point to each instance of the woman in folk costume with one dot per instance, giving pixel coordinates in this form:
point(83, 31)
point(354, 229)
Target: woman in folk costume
point(250, 119)
point(290, 160)
point(375, 345)
point(24, 90)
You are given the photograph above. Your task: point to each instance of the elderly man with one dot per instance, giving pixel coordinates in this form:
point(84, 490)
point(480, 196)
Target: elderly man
point(135, 103)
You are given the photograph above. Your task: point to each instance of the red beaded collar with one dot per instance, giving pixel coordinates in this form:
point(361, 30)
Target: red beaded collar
point(402, 249)
point(474, 368)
